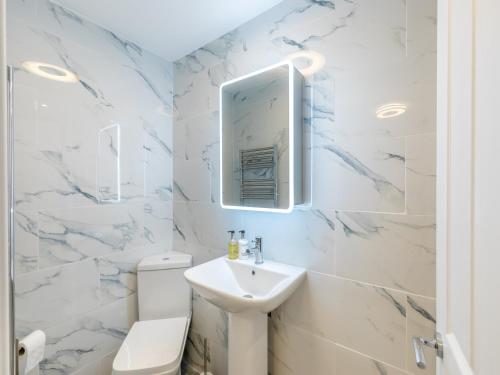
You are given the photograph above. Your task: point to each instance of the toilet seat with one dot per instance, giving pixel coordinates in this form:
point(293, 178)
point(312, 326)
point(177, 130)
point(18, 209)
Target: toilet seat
point(152, 347)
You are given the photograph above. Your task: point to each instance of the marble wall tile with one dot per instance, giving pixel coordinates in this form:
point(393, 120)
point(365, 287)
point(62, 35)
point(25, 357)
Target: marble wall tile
point(421, 322)
point(101, 367)
point(158, 159)
point(359, 92)
point(421, 174)
point(194, 355)
point(296, 351)
point(26, 245)
point(202, 226)
point(47, 297)
point(118, 275)
point(369, 232)
point(72, 235)
point(92, 369)
point(421, 30)
point(86, 339)
point(369, 319)
point(76, 253)
point(350, 362)
point(192, 180)
point(372, 175)
point(108, 165)
point(209, 321)
point(197, 154)
point(394, 251)
point(158, 223)
point(50, 171)
point(305, 238)
point(106, 363)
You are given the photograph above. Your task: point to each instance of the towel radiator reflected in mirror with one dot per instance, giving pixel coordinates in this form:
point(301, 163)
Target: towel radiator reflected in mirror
point(259, 175)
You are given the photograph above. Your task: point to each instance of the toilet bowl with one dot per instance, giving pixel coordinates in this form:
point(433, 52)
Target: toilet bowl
point(155, 344)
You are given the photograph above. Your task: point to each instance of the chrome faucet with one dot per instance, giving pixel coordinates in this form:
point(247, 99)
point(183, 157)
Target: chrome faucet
point(257, 250)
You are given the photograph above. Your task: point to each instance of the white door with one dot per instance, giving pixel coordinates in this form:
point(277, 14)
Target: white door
point(468, 187)
point(5, 345)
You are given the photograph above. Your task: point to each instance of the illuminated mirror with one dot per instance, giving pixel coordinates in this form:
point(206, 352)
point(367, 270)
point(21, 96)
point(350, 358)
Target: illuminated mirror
point(261, 140)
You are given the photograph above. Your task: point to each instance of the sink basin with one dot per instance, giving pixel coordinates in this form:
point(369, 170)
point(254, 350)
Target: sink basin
point(247, 291)
point(238, 285)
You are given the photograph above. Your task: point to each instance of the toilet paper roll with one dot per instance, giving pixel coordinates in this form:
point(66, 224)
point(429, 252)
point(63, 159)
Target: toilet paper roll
point(30, 352)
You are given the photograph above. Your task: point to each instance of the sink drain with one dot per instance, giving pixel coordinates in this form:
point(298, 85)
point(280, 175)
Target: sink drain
point(247, 296)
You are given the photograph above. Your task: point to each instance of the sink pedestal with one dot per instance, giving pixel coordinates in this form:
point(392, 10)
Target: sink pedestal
point(247, 343)
point(247, 291)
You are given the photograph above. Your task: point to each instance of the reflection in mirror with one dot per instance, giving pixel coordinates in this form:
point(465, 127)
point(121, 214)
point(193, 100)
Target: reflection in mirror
point(261, 131)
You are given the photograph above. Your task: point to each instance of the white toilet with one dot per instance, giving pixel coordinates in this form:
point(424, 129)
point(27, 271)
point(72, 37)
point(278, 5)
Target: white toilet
point(155, 343)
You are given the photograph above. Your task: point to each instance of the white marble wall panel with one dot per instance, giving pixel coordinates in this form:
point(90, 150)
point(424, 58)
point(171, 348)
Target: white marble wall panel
point(305, 238)
point(108, 168)
point(118, 274)
point(367, 238)
point(89, 338)
point(368, 319)
point(209, 321)
point(372, 174)
point(47, 297)
point(77, 248)
point(350, 362)
point(196, 152)
point(393, 251)
point(201, 229)
point(72, 235)
point(297, 351)
point(195, 356)
point(26, 236)
point(421, 174)
point(158, 223)
point(158, 159)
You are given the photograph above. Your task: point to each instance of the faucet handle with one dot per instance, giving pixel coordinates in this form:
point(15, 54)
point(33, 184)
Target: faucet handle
point(258, 250)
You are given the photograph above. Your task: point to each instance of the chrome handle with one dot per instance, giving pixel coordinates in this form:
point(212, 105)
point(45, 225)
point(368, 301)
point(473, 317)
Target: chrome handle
point(418, 347)
point(419, 352)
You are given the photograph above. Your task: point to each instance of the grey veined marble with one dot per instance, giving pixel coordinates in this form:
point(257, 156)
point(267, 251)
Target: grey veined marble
point(93, 182)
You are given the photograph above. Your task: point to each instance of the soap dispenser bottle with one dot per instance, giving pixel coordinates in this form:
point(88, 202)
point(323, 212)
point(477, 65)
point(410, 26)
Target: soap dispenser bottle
point(243, 245)
point(232, 247)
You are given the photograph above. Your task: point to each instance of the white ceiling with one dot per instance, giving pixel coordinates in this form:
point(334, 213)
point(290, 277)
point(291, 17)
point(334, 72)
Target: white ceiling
point(169, 28)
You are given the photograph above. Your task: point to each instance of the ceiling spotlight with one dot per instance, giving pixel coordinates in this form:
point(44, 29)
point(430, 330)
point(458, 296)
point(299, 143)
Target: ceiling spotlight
point(307, 62)
point(391, 110)
point(50, 71)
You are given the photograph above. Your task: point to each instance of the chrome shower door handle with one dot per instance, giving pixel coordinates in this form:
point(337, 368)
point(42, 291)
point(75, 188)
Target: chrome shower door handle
point(418, 347)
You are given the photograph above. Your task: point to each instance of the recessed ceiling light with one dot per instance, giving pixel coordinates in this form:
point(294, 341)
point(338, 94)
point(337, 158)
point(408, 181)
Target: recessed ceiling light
point(391, 110)
point(50, 71)
point(307, 62)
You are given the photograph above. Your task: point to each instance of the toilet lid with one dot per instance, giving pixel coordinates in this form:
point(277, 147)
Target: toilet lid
point(152, 346)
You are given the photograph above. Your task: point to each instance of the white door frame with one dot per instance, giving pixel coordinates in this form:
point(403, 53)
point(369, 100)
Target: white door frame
point(468, 186)
point(455, 183)
point(5, 313)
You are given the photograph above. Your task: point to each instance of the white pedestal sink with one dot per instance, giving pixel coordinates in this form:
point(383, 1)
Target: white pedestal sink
point(247, 291)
